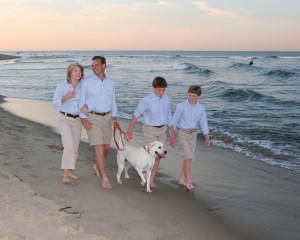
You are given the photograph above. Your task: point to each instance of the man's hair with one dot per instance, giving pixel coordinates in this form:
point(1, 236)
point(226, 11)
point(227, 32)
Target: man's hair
point(195, 89)
point(159, 82)
point(102, 59)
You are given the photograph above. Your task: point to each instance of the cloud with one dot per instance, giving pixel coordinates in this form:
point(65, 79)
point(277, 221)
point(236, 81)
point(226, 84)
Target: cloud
point(165, 3)
point(217, 12)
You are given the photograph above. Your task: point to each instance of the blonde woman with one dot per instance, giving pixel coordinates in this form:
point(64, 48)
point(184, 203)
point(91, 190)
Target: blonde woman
point(66, 100)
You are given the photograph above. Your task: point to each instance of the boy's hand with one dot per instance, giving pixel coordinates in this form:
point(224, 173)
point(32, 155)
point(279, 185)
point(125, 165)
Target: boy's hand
point(128, 136)
point(207, 140)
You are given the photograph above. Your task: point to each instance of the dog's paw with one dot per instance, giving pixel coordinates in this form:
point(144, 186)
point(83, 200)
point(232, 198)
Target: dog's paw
point(127, 176)
point(148, 191)
point(120, 182)
point(143, 184)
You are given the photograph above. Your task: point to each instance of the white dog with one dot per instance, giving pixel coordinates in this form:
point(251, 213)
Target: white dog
point(142, 159)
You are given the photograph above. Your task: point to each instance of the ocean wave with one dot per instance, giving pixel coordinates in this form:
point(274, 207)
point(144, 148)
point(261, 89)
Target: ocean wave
point(281, 73)
point(245, 66)
point(243, 57)
point(191, 68)
point(257, 156)
point(236, 95)
point(10, 61)
point(271, 56)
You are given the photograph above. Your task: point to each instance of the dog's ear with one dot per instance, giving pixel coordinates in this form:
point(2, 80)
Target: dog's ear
point(148, 147)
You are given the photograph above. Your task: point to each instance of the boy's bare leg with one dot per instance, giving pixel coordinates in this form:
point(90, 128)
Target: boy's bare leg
point(187, 173)
point(101, 151)
point(153, 172)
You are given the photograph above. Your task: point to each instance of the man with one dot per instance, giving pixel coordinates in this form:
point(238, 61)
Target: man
point(99, 109)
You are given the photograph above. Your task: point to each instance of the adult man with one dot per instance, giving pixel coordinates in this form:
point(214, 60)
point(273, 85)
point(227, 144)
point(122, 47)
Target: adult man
point(98, 99)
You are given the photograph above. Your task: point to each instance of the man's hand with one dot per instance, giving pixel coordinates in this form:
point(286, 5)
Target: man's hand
point(86, 123)
point(84, 109)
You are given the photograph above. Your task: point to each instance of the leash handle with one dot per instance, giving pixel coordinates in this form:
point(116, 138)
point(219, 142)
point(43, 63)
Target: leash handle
point(117, 127)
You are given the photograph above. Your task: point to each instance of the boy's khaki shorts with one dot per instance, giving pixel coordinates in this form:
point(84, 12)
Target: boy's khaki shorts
point(154, 134)
point(186, 140)
point(101, 130)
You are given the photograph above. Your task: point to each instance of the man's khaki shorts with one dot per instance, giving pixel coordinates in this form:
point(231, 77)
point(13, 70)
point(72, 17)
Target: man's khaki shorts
point(186, 140)
point(101, 130)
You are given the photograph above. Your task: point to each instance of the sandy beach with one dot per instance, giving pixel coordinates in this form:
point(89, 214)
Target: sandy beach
point(238, 199)
point(30, 161)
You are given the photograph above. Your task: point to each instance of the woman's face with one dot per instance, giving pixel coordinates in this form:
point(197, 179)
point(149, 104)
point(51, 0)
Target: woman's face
point(76, 73)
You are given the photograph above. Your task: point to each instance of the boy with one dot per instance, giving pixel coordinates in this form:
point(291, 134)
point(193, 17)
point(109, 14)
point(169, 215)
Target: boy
point(156, 111)
point(189, 117)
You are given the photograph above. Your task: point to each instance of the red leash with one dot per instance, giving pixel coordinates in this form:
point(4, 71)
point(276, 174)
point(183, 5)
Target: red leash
point(117, 127)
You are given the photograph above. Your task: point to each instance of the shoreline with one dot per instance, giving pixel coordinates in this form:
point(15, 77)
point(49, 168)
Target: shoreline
point(32, 153)
point(241, 198)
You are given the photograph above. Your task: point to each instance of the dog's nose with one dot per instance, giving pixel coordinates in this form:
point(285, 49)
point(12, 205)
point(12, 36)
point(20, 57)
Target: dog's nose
point(165, 152)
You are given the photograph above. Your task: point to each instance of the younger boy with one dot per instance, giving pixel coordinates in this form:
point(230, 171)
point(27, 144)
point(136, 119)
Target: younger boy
point(189, 117)
point(156, 111)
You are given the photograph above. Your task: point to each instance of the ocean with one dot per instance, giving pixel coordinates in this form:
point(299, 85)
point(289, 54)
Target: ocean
point(252, 109)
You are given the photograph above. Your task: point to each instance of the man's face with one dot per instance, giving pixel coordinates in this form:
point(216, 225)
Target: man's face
point(97, 66)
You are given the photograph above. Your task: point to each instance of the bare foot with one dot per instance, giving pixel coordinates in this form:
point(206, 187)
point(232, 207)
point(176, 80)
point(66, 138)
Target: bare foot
point(106, 184)
point(153, 185)
point(71, 175)
point(97, 172)
point(66, 180)
point(181, 183)
point(190, 187)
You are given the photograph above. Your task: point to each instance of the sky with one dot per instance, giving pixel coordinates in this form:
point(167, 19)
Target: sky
point(209, 25)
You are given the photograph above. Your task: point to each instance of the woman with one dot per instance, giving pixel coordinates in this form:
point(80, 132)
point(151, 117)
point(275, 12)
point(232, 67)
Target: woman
point(66, 99)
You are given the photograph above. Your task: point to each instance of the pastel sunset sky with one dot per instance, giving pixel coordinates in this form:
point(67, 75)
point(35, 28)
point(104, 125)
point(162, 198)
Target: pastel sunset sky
point(266, 25)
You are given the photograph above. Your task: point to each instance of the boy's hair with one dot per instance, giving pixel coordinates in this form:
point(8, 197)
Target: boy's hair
point(195, 89)
point(102, 59)
point(159, 82)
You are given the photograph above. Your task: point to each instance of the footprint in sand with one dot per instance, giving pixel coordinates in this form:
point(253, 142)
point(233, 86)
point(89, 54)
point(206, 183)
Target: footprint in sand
point(55, 148)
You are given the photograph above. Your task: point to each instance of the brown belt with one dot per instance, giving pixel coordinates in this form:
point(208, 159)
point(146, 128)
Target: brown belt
point(159, 126)
point(69, 115)
point(101, 114)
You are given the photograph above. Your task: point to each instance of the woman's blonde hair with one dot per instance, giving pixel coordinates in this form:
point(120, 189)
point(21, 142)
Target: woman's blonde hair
point(69, 70)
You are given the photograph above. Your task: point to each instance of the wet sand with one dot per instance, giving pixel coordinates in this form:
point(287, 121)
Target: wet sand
point(236, 197)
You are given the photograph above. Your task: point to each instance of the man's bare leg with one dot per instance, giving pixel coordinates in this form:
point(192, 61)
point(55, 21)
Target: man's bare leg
point(101, 151)
point(182, 180)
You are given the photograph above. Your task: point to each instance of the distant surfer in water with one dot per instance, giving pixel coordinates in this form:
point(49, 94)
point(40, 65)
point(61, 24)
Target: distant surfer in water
point(251, 63)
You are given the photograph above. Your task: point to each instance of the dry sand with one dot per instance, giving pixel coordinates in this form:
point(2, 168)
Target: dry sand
point(33, 193)
point(236, 197)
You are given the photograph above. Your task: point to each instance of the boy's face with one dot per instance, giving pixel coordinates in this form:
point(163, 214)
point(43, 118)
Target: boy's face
point(192, 98)
point(159, 91)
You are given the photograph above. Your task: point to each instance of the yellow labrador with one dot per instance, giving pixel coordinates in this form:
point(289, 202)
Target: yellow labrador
point(142, 159)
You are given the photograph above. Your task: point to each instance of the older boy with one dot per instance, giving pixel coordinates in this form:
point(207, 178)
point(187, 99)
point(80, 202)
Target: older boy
point(189, 117)
point(156, 111)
